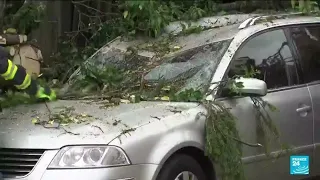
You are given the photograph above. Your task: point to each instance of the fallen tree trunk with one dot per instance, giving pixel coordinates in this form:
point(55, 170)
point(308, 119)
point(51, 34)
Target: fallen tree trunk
point(12, 39)
point(249, 6)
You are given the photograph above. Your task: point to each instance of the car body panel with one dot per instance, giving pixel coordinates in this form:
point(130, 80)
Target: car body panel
point(18, 131)
point(171, 133)
point(314, 89)
point(132, 172)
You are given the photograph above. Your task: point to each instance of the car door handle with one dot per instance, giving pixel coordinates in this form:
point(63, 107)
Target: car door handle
point(303, 109)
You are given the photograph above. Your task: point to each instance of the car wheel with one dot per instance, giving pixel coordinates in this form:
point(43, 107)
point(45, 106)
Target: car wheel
point(182, 167)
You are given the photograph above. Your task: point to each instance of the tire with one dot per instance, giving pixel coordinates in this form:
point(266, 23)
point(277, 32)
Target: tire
point(178, 164)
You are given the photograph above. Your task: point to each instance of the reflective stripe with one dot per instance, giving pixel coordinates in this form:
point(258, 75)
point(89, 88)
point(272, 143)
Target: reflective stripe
point(43, 94)
point(11, 71)
point(40, 92)
point(26, 83)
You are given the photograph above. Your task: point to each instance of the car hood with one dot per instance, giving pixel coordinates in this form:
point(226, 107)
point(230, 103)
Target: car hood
point(98, 125)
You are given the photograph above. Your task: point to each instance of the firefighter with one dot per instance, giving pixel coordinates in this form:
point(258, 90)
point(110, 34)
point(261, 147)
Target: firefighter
point(17, 76)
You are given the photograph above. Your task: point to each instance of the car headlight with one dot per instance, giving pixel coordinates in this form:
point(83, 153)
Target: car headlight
point(89, 156)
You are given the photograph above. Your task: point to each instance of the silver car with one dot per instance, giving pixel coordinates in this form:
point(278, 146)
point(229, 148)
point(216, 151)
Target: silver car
point(156, 140)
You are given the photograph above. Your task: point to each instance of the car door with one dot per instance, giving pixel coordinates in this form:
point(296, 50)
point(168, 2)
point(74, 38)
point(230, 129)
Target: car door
point(306, 41)
point(270, 53)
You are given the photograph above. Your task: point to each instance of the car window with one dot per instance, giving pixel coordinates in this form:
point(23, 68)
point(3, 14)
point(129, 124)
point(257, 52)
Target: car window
point(307, 42)
point(268, 57)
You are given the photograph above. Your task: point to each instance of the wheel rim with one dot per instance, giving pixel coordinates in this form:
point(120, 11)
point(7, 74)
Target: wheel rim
point(186, 175)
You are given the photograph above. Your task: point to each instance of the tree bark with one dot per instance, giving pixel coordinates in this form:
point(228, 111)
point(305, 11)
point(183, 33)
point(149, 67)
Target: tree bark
point(2, 9)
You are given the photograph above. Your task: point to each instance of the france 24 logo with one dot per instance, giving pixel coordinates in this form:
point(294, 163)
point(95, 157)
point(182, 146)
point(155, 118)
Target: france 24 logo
point(299, 165)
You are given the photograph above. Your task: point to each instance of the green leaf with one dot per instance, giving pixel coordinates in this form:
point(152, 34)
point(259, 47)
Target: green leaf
point(272, 107)
point(165, 98)
point(125, 14)
point(239, 84)
point(34, 121)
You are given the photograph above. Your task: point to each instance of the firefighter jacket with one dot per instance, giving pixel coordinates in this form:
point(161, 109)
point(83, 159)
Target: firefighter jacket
point(20, 79)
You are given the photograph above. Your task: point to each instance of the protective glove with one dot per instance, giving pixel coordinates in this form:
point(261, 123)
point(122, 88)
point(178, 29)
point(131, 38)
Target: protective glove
point(46, 94)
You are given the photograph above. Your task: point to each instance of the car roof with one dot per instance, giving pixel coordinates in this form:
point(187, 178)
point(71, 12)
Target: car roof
point(218, 28)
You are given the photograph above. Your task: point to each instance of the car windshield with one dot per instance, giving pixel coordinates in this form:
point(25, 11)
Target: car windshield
point(130, 73)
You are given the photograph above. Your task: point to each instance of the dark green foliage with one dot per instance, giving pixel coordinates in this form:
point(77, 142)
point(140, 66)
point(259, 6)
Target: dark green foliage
point(146, 16)
point(188, 95)
point(220, 147)
point(110, 77)
point(149, 17)
point(223, 144)
point(26, 18)
point(12, 99)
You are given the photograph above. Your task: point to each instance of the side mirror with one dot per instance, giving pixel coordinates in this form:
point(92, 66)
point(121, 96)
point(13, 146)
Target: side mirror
point(253, 86)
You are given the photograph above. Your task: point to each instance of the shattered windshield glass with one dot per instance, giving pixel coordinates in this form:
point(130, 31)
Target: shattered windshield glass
point(195, 66)
point(131, 73)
